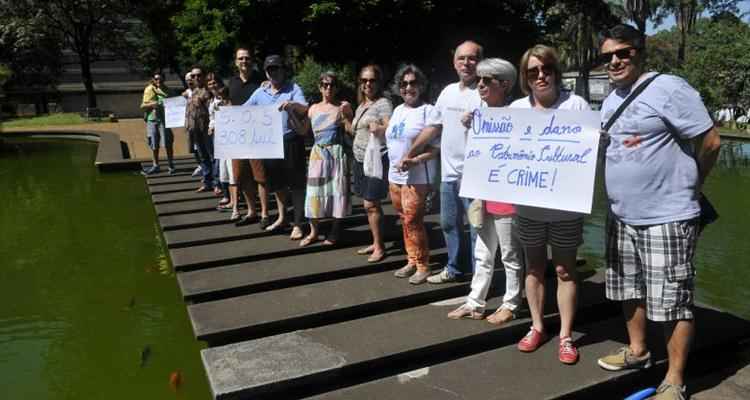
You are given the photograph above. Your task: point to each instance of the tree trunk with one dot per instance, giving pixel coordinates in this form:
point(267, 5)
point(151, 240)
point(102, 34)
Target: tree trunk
point(582, 84)
point(88, 81)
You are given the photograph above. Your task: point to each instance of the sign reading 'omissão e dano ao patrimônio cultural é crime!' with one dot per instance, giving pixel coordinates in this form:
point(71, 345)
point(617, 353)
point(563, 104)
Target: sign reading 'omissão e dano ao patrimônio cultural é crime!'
point(248, 132)
point(541, 158)
point(174, 112)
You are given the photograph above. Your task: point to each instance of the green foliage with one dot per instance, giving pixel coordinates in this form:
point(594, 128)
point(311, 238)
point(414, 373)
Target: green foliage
point(308, 78)
point(5, 74)
point(718, 62)
point(29, 49)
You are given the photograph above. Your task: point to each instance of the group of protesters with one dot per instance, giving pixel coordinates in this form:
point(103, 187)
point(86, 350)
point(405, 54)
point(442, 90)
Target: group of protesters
point(658, 145)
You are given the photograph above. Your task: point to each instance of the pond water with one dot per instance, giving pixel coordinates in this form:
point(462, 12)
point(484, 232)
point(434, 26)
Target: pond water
point(92, 309)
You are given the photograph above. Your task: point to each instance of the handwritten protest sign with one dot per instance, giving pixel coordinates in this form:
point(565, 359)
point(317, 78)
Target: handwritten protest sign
point(532, 157)
point(248, 132)
point(174, 112)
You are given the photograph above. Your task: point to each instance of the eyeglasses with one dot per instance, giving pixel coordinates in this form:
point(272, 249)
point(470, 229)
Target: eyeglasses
point(405, 84)
point(327, 85)
point(365, 80)
point(625, 53)
point(157, 78)
point(533, 73)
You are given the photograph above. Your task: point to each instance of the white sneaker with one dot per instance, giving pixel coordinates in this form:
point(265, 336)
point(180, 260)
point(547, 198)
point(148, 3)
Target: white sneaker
point(442, 277)
point(197, 171)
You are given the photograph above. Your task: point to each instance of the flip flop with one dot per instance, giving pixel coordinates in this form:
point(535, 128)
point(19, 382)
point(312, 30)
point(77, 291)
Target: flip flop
point(202, 189)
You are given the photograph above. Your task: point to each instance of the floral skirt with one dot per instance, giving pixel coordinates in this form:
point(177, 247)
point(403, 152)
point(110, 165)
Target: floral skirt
point(327, 183)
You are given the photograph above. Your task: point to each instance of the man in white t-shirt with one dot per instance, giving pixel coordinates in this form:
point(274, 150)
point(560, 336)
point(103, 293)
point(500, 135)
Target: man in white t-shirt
point(454, 101)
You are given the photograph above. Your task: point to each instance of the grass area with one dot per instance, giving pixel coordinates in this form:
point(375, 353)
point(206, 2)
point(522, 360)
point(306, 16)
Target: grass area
point(45, 120)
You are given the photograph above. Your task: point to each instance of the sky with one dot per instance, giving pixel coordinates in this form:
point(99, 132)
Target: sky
point(744, 7)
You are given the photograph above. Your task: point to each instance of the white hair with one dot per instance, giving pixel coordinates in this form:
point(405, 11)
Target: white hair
point(498, 68)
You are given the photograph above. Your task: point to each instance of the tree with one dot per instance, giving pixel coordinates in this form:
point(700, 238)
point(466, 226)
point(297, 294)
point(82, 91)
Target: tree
point(87, 27)
point(159, 47)
point(718, 62)
point(577, 38)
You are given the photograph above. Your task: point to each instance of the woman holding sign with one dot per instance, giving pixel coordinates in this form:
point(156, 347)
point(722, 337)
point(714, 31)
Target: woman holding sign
point(368, 129)
point(562, 231)
point(496, 78)
point(327, 192)
point(410, 178)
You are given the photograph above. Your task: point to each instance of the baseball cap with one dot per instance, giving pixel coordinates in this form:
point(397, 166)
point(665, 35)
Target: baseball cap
point(273, 60)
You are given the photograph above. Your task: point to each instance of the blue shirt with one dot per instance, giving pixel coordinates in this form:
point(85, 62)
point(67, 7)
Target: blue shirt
point(651, 175)
point(264, 96)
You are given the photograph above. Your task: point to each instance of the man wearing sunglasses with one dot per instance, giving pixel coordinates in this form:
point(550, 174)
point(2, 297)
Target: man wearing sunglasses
point(661, 149)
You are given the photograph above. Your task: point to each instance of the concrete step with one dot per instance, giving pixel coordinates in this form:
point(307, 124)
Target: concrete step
point(506, 373)
point(314, 304)
point(282, 364)
point(355, 232)
point(258, 276)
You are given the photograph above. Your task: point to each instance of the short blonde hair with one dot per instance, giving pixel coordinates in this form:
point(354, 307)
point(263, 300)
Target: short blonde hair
point(545, 54)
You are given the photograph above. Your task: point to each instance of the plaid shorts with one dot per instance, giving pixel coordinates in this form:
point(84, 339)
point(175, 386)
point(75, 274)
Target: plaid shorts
point(655, 263)
point(560, 234)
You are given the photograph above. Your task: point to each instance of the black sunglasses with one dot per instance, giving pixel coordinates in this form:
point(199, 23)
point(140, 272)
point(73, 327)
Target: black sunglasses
point(533, 73)
point(326, 85)
point(486, 80)
point(625, 53)
point(365, 80)
point(404, 84)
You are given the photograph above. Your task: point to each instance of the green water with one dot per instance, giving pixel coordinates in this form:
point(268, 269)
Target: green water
point(85, 283)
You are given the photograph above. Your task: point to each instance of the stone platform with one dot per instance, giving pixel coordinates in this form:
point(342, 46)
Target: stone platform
point(286, 322)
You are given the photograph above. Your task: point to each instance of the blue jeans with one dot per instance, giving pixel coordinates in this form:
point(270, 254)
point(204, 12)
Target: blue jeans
point(204, 151)
point(452, 220)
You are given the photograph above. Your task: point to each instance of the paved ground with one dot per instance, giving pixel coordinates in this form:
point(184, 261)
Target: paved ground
point(131, 131)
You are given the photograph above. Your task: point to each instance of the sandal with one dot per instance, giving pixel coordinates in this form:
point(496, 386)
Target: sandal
point(235, 216)
point(367, 250)
point(376, 257)
point(201, 189)
point(501, 316)
point(224, 207)
point(297, 233)
point(264, 222)
point(308, 241)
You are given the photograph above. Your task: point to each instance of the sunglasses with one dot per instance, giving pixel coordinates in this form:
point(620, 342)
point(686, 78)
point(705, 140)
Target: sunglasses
point(625, 53)
point(327, 85)
point(365, 80)
point(532, 74)
point(486, 80)
point(157, 78)
point(405, 84)
point(243, 58)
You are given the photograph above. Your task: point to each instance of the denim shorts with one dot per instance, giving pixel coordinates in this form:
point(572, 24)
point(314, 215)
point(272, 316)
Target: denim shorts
point(155, 131)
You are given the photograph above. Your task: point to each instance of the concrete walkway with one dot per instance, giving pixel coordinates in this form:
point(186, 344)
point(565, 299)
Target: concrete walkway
point(131, 131)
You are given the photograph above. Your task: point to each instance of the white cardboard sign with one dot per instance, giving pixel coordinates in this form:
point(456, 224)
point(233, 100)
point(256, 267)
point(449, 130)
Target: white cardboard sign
point(174, 112)
point(541, 158)
point(248, 132)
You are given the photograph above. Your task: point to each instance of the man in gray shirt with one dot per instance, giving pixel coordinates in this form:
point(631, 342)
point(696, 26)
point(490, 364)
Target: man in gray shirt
point(662, 148)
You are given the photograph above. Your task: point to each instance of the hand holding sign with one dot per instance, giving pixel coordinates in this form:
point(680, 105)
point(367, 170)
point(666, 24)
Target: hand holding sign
point(174, 112)
point(248, 132)
point(532, 157)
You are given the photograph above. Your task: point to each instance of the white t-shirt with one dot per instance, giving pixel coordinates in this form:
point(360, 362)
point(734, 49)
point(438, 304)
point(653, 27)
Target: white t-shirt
point(453, 103)
point(566, 101)
point(403, 127)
